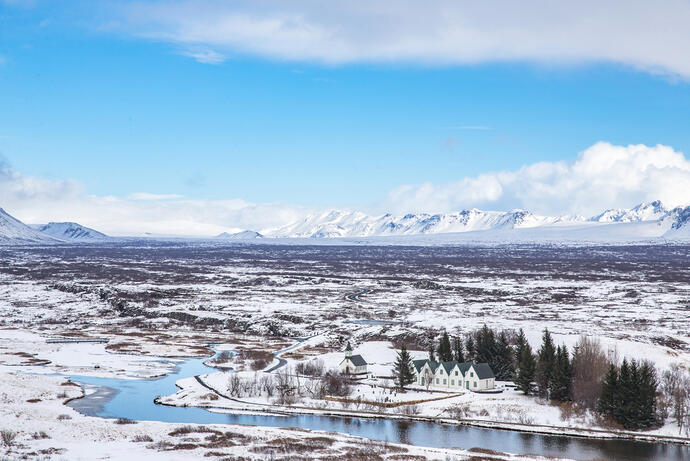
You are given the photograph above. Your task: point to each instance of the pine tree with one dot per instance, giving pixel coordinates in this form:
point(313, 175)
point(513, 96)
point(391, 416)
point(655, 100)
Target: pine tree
point(445, 353)
point(404, 374)
point(526, 368)
point(519, 347)
point(546, 359)
point(609, 391)
point(431, 352)
point(648, 383)
point(561, 382)
point(505, 366)
point(625, 395)
point(486, 350)
point(470, 348)
point(458, 354)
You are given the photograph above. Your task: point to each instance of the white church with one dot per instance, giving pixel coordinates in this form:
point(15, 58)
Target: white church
point(352, 364)
point(476, 377)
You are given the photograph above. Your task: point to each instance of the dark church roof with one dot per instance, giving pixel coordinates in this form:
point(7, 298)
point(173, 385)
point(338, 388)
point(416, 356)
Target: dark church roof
point(357, 360)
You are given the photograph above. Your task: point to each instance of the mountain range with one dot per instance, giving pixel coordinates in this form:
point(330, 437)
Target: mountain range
point(669, 223)
point(648, 220)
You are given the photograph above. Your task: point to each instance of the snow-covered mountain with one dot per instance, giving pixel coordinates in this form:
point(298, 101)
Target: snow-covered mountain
point(657, 220)
point(244, 235)
point(645, 211)
point(13, 230)
point(356, 224)
point(69, 231)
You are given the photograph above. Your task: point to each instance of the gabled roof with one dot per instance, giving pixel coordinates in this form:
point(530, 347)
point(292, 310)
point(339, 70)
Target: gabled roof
point(419, 364)
point(448, 366)
point(464, 366)
point(357, 360)
point(483, 370)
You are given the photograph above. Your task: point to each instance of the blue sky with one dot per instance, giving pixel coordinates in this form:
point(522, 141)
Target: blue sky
point(120, 109)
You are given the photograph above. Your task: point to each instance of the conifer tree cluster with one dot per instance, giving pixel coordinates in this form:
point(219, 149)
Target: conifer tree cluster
point(552, 370)
point(628, 395)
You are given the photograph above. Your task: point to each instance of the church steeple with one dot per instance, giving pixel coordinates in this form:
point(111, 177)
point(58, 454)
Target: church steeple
point(348, 350)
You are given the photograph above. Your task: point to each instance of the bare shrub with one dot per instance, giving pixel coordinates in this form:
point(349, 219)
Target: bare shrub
point(63, 417)
point(459, 411)
point(409, 410)
point(675, 390)
point(7, 436)
point(40, 435)
point(223, 357)
point(125, 421)
point(142, 438)
point(589, 367)
point(311, 368)
point(161, 445)
point(336, 385)
point(266, 384)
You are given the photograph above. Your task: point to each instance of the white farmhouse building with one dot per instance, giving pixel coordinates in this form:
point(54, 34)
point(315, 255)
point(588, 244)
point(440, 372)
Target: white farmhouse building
point(475, 377)
point(352, 364)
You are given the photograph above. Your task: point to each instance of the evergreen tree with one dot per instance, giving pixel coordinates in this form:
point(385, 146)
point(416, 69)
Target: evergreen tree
point(609, 390)
point(546, 360)
point(404, 374)
point(505, 366)
point(431, 352)
point(526, 368)
point(647, 390)
point(458, 354)
point(625, 394)
point(561, 383)
point(470, 348)
point(519, 347)
point(445, 353)
point(485, 347)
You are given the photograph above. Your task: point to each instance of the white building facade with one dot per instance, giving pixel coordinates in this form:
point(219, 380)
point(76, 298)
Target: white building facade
point(476, 377)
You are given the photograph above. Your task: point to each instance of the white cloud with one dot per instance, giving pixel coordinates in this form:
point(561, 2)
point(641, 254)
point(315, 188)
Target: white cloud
point(646, 35)
point(149, 196)
point(35, 200)
point(205, 56)
point(603, 176)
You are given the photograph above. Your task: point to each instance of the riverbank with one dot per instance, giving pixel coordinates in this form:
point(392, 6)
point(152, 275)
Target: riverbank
point(34, 412)
point(194, 392)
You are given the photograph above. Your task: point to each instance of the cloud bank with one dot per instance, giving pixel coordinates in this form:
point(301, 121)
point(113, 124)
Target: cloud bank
point(652, 36)
point(602, 176)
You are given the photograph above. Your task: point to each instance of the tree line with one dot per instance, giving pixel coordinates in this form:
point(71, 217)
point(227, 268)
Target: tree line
point(627, 394)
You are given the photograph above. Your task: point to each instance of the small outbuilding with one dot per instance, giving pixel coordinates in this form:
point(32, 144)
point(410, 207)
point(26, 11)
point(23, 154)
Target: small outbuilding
point(352, 364)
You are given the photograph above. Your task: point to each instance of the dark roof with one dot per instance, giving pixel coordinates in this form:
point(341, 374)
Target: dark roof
point(464, 367)
point(448, 366)
point(483, 370)
point(357, 360)
point(419, 364)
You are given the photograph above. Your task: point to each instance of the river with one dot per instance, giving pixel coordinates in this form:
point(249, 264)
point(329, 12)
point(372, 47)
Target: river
point(133, 399)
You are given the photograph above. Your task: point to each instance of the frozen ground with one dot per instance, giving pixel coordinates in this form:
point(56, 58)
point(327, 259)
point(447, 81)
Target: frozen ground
point(155, 302)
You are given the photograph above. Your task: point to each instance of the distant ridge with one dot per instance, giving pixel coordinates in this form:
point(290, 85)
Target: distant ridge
point(13, 231)
point(244, 235)
point(70, 231)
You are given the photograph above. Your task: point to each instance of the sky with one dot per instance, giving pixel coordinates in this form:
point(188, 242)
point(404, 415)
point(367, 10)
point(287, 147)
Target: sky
point(194, 118)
